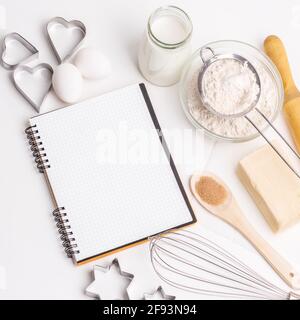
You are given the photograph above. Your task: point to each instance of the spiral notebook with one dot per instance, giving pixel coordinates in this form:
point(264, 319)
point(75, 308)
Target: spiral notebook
point(102, 202)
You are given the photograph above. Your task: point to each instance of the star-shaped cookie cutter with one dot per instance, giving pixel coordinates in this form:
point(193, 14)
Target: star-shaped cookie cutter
point(159, 291)
point(90, 290)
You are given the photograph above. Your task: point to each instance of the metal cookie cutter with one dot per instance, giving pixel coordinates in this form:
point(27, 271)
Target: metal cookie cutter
point(95, 288)
point(158, 292)
point(8, 48)
point(72, 25)
point(27, 79)
point(41, 75)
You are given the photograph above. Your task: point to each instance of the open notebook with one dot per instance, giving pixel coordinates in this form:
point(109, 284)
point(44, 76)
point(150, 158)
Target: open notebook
point(105, 203)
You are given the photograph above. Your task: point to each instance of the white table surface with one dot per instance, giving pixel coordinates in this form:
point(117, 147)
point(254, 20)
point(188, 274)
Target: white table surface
point(32, 262)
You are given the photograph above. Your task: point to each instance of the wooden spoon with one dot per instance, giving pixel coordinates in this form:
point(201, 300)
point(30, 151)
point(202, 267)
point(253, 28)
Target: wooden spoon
point(230, 212)
point(274, 48)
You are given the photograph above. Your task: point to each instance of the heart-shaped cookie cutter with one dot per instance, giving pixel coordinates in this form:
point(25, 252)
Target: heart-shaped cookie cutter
point(35, 102)
point(32, 54)
point(21, 65)
point(72, 24)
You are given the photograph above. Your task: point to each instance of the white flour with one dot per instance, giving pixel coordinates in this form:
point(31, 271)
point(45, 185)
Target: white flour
point(234, 127)
point(229, 86)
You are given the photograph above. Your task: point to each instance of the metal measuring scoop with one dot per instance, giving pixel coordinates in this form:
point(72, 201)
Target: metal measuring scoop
point(207, 62)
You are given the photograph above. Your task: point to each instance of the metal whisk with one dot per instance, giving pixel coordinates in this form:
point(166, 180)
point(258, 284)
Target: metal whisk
point(193, 263)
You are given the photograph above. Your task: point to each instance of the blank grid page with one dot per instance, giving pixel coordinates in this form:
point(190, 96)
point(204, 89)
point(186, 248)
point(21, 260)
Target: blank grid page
point(112, 204)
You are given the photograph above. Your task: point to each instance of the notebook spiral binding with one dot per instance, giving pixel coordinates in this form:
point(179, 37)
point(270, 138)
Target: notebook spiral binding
point(60, 215)
point(65, 231)
point(37, 149)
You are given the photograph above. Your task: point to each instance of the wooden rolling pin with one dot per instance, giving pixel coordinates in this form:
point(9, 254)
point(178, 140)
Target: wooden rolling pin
point(274, 48)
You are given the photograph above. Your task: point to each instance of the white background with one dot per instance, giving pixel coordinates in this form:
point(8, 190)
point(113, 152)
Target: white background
point(31, 257)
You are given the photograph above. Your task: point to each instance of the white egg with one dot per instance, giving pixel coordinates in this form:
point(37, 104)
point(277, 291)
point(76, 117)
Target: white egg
point(67, 82)
point(92, 63)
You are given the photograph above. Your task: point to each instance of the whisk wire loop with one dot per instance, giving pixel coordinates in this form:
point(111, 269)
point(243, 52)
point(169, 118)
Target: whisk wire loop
point(191, 262)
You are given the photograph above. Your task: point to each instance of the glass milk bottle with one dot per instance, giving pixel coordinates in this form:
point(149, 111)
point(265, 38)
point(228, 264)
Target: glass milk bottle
point(165, 46)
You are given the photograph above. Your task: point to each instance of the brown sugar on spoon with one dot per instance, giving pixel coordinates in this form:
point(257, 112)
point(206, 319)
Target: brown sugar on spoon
point(215, 196)
point(210, 191)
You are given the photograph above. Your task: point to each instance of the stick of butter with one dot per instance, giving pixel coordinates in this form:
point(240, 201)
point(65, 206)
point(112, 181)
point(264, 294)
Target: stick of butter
point(273, 186)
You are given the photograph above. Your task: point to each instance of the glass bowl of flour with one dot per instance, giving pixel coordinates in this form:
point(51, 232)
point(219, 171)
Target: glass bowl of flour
point(232, 129)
